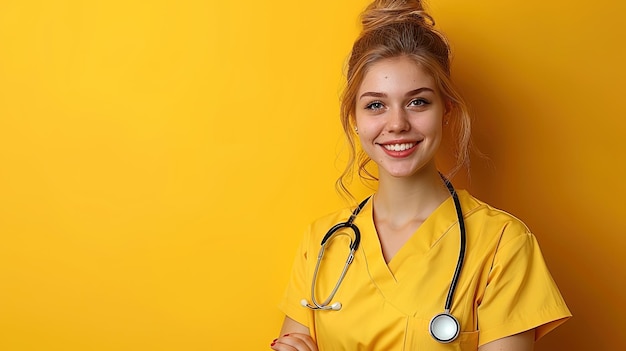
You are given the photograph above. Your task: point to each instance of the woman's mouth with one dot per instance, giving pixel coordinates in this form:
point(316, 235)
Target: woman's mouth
point(399, 150)
point(398, 147)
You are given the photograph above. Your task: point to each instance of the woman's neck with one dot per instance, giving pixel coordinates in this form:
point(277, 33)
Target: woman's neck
point(401, 200)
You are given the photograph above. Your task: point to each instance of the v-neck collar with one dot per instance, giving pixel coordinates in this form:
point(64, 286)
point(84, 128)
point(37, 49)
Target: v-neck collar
point(388, 276)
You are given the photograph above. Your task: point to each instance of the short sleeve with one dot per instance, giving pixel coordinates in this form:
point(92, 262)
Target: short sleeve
point(520, 293)
point(298, 287)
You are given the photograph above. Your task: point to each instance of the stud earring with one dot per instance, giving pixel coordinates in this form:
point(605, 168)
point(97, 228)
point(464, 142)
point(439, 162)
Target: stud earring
point(356, 130)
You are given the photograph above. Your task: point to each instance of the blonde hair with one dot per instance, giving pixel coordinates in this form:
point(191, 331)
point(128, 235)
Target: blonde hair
point(394, 28)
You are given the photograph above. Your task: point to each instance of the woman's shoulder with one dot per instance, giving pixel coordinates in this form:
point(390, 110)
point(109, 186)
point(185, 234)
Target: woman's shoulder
point(490, 218)
point(332, 218)
point(320, 226)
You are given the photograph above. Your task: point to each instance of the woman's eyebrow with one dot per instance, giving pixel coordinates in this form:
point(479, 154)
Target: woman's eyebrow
point(373, 94)
point(383, 95)
point(419, 90)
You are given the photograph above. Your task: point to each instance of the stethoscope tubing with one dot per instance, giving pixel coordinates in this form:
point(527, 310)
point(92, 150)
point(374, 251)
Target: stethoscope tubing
point(463, 244)
point(354, 245)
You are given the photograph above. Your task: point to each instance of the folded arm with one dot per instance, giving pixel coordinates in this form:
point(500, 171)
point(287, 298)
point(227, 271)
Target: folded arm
point(294, 337)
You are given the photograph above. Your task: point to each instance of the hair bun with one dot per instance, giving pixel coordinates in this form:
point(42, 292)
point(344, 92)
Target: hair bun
point(383, 12)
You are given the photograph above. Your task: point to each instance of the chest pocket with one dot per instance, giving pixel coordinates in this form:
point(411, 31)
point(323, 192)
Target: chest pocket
point(419, 338)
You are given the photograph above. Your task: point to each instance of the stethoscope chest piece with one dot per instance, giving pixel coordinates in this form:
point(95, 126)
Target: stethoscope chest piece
point(444, 327)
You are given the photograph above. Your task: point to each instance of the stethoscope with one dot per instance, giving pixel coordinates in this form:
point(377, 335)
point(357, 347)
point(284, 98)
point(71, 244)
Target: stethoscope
point(443, 327)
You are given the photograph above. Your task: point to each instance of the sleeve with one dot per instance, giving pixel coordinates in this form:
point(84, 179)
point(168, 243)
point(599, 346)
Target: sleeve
point(520, 293)
point(299, 285)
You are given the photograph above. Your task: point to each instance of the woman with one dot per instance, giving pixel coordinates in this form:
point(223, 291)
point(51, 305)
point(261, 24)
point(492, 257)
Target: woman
point(398, 101)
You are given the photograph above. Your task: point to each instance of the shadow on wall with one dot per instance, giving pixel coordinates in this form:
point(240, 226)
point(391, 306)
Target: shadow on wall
point(535, 170)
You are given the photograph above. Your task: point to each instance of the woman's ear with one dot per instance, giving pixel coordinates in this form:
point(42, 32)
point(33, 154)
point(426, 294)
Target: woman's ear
point(448, 108)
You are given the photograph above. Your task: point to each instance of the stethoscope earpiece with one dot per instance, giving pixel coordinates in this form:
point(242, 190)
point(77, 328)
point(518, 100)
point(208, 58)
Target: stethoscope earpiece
point(336, 306)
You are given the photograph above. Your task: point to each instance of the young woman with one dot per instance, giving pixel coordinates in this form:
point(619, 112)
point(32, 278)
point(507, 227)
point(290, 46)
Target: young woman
point(433, 267)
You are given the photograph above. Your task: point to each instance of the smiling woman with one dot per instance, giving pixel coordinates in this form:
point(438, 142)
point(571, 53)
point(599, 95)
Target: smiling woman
point(158, 160)
point(398, 100)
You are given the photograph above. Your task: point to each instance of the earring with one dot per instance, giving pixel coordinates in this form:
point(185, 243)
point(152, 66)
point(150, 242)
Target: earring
point(356, 130)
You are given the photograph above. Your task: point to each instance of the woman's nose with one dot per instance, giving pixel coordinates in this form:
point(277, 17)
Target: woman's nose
point(398, 121)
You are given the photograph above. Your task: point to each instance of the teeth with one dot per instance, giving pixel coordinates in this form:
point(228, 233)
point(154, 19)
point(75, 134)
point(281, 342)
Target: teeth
point(399, 147)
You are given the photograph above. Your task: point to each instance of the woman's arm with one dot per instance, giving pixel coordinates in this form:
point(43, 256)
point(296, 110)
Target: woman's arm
point(294, 337)
point(519, 342)
point(291, 326)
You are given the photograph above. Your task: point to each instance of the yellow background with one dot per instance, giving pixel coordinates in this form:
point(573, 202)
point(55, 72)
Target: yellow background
point(160, 159)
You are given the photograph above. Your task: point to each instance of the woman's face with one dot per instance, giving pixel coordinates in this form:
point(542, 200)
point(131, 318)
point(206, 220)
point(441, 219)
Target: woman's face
point(399, 115)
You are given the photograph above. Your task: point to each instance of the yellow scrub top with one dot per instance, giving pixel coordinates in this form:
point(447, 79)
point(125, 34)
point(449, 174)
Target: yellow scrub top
point(505, 287)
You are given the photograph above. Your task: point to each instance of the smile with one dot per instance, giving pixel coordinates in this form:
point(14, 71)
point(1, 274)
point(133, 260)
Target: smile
point(398, 147)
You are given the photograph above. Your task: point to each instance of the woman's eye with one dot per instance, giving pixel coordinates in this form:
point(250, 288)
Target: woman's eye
point(418, 102)
point(374, 106)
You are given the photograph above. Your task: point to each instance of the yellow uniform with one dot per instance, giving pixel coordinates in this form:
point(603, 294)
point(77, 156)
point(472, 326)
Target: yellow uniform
point(504, 288)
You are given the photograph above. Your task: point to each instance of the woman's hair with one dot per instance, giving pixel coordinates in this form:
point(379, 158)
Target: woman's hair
point(394, 28)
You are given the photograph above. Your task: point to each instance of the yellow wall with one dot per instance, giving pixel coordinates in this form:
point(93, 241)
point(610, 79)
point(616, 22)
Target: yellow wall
point(159, 159)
